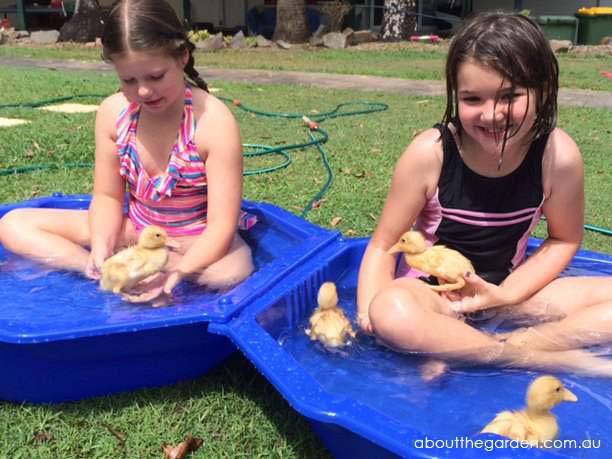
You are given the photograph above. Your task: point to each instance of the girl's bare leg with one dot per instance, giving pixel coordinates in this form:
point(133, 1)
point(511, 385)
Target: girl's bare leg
point(55, 237)
point(52, 236)
point(233, 268)
point(582, 311)
point(409, 317)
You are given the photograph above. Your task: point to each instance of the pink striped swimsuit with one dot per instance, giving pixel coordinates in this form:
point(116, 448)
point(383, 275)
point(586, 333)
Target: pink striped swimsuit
point(487, 219)
point(175, 200)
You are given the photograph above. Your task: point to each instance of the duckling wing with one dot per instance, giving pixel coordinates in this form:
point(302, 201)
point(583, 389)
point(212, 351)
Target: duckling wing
point(450, 264)
point(508, 424)
point(114, 276)
point(314, 318)
point(145, 262)
point(427, 261)
point(123, 256)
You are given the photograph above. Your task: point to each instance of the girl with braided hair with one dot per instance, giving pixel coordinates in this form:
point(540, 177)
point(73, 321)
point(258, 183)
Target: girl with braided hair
point(171, 144)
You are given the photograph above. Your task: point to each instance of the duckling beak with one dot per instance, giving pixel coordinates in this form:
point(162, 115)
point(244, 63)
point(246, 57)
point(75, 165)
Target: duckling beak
point(569, 396)
point(395, 249)
point(173, 244)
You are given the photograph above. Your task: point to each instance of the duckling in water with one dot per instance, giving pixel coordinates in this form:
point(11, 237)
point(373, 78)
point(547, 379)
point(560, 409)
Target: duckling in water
point(328, 323)
point(448, 265)
point(535, 424)
point(129, 266)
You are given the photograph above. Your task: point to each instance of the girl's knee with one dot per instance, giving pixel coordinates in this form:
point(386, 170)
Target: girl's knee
point(12, 225)
point(219, 279)
point(396, 317)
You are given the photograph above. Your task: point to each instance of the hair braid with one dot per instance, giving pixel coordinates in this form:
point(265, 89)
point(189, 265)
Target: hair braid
point(190, 69)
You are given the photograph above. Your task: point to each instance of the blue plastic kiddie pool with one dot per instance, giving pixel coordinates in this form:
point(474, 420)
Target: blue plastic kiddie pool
point(370, 402)
point(63, 339)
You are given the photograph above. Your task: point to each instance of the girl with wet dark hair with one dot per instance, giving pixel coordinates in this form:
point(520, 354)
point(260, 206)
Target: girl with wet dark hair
point(172, 145)
point(478, 183)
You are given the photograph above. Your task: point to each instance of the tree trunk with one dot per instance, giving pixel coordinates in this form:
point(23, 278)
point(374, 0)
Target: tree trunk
point(291, 23)
point(397, 23)
point(85, 25)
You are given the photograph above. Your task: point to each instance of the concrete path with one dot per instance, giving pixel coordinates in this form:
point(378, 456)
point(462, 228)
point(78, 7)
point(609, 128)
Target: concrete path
point(569, 97)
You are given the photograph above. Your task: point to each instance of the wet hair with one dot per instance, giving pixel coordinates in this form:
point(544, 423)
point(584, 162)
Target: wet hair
point(515, 47)
point(148, 25)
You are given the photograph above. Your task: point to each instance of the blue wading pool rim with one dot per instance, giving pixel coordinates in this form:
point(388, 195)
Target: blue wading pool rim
point(348, 427)
point(327, 411)
point(313, 238)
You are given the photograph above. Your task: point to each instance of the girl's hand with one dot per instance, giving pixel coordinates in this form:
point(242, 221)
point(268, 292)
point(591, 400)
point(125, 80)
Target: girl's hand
point(173, 279)
point(93, 269)
point(477, 295)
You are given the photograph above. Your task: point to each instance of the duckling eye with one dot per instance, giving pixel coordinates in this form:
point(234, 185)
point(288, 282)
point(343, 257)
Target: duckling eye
point(558, 389)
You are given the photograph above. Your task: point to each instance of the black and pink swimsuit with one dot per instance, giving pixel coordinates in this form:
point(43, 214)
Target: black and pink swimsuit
point(487, 219)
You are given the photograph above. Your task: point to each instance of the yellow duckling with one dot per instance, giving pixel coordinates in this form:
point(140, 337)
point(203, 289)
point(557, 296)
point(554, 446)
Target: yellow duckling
point(448, 265)
point(535, 424)
point(129, 266)
point(328, 323)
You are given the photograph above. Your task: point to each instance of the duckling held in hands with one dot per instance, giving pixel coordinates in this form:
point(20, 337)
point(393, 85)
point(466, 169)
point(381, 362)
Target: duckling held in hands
point(328, 323)
point(535, 424)
point(129, 266)
point(448, 265)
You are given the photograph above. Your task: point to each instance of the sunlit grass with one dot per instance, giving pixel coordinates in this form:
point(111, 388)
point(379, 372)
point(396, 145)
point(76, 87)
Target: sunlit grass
point(235, 410)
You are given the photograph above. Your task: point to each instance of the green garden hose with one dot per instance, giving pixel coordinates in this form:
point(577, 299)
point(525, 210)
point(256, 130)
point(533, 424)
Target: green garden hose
point(317, 135)
point(253, 150)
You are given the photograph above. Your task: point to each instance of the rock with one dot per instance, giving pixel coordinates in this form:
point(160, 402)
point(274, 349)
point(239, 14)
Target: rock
point(335, 40)
point(238, 41)
point(591, 50)
point(263, 42)
point(45, 36)
point(560, 46)
point(283, 44)
point(317, 37)
point(361, 36)
point(212, 43)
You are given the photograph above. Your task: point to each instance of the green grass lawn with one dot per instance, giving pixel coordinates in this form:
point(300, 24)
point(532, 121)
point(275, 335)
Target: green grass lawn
point(403, 60)
point(235, 410)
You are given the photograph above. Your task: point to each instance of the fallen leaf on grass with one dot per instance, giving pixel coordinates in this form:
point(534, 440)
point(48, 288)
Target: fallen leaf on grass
point(35, 191)
point(179, 451)
point(317, 203)
point(335, 221)
point(120, 436)
point(41, 437)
